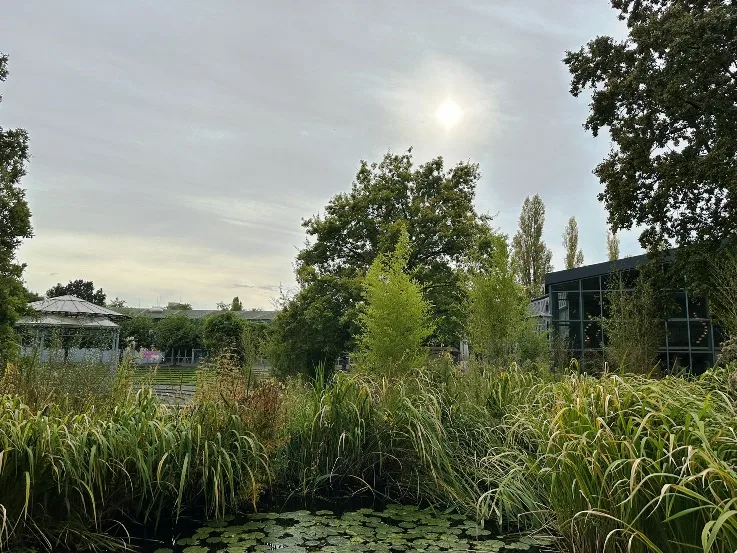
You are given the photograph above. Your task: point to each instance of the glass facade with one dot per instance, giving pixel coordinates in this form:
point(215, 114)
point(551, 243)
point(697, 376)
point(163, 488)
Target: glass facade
point(577, 306)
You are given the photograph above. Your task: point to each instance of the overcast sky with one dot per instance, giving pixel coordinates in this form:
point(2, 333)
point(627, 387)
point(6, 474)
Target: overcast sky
point(178, 144)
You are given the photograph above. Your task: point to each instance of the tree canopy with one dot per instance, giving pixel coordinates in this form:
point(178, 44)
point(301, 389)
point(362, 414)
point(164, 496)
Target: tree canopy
point(178, 332)
point(668, 95)
point(83, 289)
point(433, 204)
point(531, 258)
point(15, 225)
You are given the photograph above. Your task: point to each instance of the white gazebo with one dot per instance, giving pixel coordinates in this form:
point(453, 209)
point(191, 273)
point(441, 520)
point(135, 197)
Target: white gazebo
point(65, 316)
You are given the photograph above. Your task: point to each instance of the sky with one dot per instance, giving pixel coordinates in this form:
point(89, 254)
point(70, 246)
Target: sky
point(177, 145)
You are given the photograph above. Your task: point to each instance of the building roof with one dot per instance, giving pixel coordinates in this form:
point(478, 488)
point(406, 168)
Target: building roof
point(66, 321)
point(161, 312)
point(72, 306)
point(605, 268)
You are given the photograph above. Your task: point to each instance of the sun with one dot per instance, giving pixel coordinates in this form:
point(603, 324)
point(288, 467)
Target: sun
point(449, 113)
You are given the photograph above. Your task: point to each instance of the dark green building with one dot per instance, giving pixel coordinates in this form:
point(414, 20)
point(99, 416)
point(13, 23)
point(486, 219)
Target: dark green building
point(576, 307)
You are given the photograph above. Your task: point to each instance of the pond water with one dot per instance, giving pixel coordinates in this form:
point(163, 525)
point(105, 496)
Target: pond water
point(393, 529)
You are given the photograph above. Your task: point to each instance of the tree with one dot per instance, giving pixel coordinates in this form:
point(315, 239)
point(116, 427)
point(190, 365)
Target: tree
point(223, 306)
point(668, 95)
point(178, 331)
point(83, 289)
point(117, 303)
point(15, 225)
point(140, 328)
point(236, 304)
point(531, 257)
point(178, 306)
point(433, 204)
point(395, 320)
point(612, 246)
point(314, 326)
point(633, 324)
point(574, 255)
point(498, 306)
point(224, 332)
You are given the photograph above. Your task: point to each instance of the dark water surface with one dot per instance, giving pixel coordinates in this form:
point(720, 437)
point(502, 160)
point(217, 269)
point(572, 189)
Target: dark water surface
point(396, 528)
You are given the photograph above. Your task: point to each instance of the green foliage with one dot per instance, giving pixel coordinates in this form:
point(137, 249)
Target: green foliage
point(83, 289)
point(236, 304)
point(395, 319)
point(634, 326)
point(67, 478)
point(433, 204)
point(178, 331)
point(140, 328)
point(612, 246)
point(611, 463)
point(722, 289)
point(117, 303)
point(667, 95)
point(315, 326)
point(15, 225)
point(227, 332)
point(574, 255)
point(178, 306)
point(223, 331)
point(531, 257)
point(498, 306)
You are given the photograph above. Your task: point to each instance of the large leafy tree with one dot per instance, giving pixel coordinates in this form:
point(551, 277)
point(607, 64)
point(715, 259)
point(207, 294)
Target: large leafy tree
point(574, 255)
point(531, 258)
point(83, 289)
point(668, 95)
point(433, 204)
point(15, 225)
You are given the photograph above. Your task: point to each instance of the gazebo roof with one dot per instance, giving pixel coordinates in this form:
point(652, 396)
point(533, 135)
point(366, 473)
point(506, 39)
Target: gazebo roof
point(66, 321)
point(72, 306)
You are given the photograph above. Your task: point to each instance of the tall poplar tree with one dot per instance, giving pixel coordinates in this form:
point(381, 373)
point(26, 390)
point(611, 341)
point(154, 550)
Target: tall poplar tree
point(574, 255)
point(612, 246)
point(531, 258)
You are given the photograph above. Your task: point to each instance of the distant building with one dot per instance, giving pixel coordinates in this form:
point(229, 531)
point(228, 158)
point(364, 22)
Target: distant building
point(156, 313)
point(575, 308)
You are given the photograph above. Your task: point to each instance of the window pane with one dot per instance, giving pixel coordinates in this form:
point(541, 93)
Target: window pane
point(700, 334)
point(591, 305)
point(590, 283)
point(678, 304)
point(565, 286)
point(566, 306)
point(569, 333)
point(592, 335)
point(697, 308)
point(679, 361)
point(677, 334)
point(625, 280)
point(700, 362)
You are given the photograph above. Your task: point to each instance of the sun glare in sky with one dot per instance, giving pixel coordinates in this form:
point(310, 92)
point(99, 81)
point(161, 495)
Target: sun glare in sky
point(449, 113)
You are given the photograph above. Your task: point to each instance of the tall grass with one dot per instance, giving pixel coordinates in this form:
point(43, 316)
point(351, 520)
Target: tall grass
point(615, 463)
point(609, 463)
point(70, 479)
